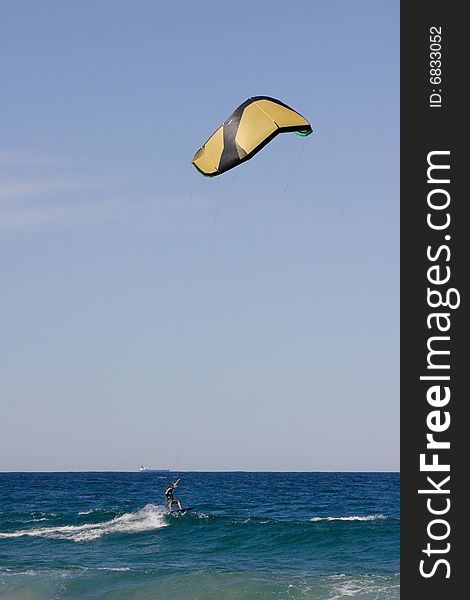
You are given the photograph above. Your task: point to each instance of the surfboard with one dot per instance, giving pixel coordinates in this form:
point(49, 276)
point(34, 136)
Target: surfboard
point(183, 510)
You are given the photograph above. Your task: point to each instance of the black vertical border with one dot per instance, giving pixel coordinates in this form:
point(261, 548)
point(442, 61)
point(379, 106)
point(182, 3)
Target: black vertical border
point(424, 129)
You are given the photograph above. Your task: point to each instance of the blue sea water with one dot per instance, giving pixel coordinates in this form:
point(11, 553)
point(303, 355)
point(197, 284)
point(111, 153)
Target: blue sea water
point(252, 536)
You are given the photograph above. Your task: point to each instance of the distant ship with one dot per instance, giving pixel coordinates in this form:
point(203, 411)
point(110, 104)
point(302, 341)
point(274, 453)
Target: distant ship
point(149, 470)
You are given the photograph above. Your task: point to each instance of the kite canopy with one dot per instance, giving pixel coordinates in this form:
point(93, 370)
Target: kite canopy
point(250, 127)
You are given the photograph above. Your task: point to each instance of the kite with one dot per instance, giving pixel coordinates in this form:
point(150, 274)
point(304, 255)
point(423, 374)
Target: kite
point(248, 129)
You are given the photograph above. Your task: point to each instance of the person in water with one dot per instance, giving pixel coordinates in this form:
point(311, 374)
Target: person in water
point(170, 499)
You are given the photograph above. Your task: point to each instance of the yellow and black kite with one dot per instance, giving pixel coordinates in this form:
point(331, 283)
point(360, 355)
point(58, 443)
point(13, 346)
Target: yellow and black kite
point(248, 129)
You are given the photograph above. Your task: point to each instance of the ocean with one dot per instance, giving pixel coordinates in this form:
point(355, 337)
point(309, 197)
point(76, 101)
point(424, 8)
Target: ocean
point(107, 535)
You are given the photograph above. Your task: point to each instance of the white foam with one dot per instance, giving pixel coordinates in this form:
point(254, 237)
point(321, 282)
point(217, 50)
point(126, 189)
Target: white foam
point(352, 518)
point(370, 586)
point(146, 519)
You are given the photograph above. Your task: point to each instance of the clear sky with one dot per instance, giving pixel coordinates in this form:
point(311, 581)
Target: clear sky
point(152, 316)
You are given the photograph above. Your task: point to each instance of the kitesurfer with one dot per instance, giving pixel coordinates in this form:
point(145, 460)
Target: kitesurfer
point(170, 499)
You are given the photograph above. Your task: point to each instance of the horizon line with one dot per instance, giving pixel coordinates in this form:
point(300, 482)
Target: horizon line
point(207, 471)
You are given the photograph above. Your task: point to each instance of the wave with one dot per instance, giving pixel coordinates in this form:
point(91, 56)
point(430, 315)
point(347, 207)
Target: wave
point(98, 511)
point(351, 518)
point(364, 586)
point(112, 569)
point(146, 519)
point(205, 585)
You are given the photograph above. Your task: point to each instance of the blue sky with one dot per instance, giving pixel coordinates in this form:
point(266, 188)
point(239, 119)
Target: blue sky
point(150, 315)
